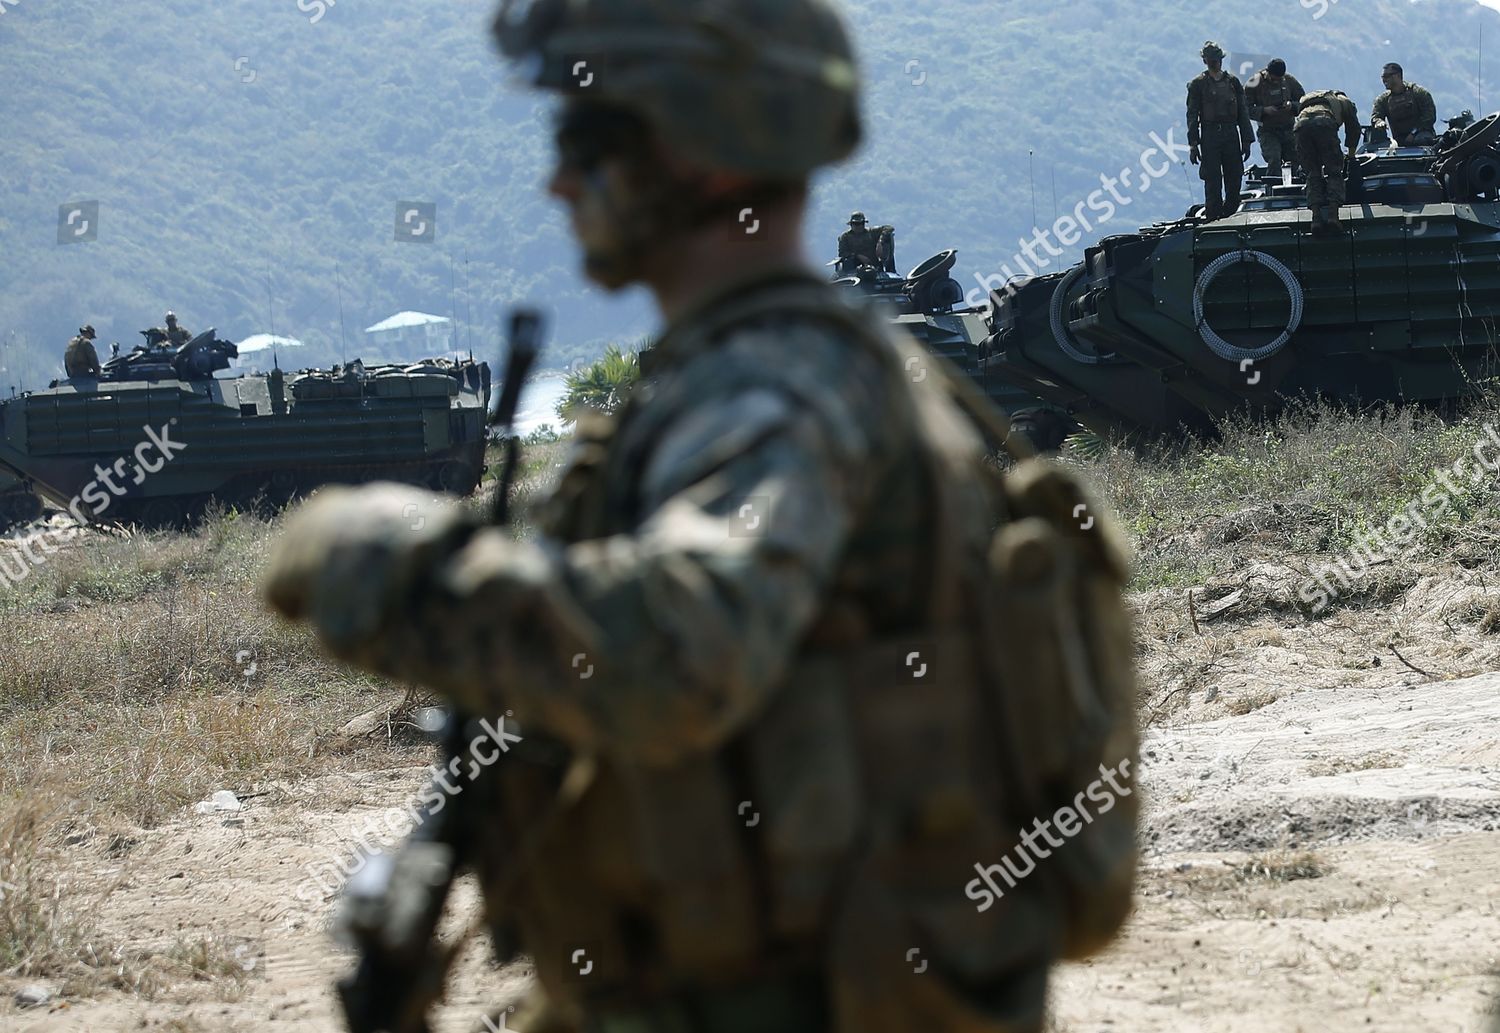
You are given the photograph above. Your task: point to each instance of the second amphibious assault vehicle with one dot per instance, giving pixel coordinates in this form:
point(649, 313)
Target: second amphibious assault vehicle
point(1183, 323)
point(251, 439)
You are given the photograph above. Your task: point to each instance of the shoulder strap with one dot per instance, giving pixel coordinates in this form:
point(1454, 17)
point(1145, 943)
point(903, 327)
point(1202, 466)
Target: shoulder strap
point(818, 301)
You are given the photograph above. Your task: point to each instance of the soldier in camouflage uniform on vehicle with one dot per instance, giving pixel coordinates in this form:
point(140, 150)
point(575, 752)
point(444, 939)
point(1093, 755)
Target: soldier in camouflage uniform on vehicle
point(1272, 96)
point(81, 359)
point(860, 246)
point(757, 623)
point(1406, 109)
point(1219, 133)
point(1317, 131)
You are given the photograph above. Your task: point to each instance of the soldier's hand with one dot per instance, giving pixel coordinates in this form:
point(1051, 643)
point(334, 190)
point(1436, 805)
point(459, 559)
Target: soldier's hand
point(346, 557)
point(1194, 154)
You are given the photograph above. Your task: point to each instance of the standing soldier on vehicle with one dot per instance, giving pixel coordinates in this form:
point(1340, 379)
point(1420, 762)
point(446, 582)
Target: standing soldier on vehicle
point(1219, 133)
point(80, 359)
point(1317, 132)
point(1272, 96)
point(1406, 108)
point(768, 649)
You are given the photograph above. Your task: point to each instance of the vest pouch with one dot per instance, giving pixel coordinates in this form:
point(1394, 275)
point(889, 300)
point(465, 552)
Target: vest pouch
point(1062, 660)
point(1220, 104)
point(805, 803)
point(691, 836)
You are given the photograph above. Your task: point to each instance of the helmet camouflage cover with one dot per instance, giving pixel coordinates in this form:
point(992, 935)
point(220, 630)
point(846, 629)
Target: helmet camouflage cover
point(857, 217)
point(767, 88)
point(1212, 50)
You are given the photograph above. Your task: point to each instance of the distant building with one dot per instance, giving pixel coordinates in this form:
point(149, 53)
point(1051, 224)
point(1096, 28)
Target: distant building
point(256, 351)
point(411, 334)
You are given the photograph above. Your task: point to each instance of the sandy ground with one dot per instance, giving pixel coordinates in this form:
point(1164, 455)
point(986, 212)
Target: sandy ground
point(1291, 749)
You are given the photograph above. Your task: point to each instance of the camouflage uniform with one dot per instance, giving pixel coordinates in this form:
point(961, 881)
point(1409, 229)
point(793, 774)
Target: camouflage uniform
point(857, 245)
point(1317, 132)
point(1280, 93)
point(80, 359)
point(1218, 122)
point(1410, 114)
point(862, 245)
point(175, 335)
point(730, 795)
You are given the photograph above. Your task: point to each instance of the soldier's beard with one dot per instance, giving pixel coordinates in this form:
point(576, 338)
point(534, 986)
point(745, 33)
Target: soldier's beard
point(629, 216)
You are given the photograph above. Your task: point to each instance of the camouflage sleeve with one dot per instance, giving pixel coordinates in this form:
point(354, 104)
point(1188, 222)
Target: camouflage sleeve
point(1295, 92)
point(1194, 113)
point(1380, 109)
point(1352, 127)
point(846, 245)
point(1426, 110)
point(1252, 99)
point(662, 642)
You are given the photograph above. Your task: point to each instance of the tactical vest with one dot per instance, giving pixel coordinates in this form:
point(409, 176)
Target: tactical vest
point(1402, 110)
point(1270, 93)
point(1219, 98)
point(1324, 108)
point(838, 831)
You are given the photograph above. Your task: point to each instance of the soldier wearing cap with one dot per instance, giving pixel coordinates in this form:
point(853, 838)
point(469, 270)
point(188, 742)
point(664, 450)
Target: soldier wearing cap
point(1406, 109)
point(1272, 96)
point(1319, 117)
point(80, 359)
point(860, 246)
point(706, 826)
point(1219, 133)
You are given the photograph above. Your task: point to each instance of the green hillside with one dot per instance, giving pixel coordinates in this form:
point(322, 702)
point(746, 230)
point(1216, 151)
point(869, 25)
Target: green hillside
point(248, 157)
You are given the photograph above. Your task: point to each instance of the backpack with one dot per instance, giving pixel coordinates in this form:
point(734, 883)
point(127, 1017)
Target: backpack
point(1047, 612)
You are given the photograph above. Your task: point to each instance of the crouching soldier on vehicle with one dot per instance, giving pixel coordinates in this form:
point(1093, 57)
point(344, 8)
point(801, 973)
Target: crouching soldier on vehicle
point(1317, 132)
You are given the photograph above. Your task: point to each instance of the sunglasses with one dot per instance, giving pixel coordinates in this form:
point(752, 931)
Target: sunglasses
point(588, 135)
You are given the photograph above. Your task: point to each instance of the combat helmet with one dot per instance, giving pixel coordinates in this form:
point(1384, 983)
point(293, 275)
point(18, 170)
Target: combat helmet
point(1212, 50)
point(857, 219)
point(86, 331)
point(690, 68)
point(171, 318)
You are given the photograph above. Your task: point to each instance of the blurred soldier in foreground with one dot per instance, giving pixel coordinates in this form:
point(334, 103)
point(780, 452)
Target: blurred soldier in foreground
point(860, 246)
point(1272, 96)
point(1406, 109)
point(1219, 133)
point(781, 681)
point(1317, 132)
point(81, 360)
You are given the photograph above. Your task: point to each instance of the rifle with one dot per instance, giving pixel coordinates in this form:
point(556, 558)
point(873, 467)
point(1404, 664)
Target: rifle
point(393, 904)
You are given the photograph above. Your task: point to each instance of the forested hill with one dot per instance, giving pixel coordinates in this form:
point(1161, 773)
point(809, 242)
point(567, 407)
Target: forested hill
point(248, 156)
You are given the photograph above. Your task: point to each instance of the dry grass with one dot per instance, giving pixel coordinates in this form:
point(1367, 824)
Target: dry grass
point(1306, 483)
point(1253, 701)
point(1283, 866)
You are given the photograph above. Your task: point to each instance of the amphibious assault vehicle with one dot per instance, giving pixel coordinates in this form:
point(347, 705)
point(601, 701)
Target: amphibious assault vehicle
point(1184, 322)
point(157, 437)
